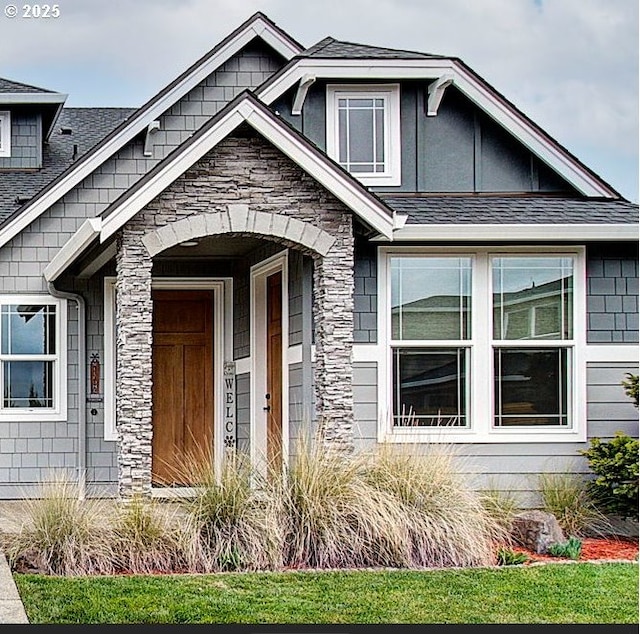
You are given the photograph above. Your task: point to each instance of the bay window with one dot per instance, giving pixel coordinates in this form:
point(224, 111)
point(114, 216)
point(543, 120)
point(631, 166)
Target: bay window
point(481, 345)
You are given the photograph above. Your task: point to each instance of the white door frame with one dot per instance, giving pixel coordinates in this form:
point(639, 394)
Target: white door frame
point(258, 337)
point(222, 351)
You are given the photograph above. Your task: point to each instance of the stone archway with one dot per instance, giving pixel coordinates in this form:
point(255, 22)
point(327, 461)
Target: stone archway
point(239, 218)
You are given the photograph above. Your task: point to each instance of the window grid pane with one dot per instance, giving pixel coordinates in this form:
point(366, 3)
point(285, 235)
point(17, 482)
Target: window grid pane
point(429, 387)
point(28, 329)
point(28, 384)
point(430, 298)
point(531, 387)
point(523, 286)
point(361, 134)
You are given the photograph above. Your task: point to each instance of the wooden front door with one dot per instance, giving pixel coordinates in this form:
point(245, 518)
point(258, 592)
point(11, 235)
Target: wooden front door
point(182, 383)
point(274, 370)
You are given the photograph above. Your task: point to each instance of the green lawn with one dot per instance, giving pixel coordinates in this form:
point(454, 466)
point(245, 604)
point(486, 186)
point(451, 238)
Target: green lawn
point(556, 593)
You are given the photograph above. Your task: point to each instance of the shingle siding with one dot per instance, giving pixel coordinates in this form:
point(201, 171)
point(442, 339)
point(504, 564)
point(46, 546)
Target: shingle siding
point(612, 294)
point(365, 317)
point(26, 141)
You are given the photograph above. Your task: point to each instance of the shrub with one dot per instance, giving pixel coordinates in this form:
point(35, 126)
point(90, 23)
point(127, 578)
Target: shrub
point(63, 534)
point(331, 517)
point(443, 520)
point(508, 557)
point(568, 497)
point(570, 549)
point(501, 505)
point(630, 385)
point(146, 537)
point(229, 525)
point(615, 464)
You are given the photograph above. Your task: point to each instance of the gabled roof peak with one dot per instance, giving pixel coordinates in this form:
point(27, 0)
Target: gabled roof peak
point(10, 86)
point(329, 47)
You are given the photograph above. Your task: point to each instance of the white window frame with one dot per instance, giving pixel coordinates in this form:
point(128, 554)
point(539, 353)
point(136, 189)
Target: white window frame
point(41, 414)
point(5, 133)
point(390, 94)
point(480, 407)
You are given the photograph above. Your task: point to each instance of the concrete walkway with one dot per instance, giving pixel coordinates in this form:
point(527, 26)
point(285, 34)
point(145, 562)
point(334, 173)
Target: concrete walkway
point(11, 608)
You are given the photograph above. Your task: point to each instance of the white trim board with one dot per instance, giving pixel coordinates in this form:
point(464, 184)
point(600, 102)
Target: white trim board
point(140, 120)
point(222, 346)
point(258, 346)
point(547, 232)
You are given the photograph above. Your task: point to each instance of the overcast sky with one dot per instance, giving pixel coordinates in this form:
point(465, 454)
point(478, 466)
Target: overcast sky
point(570, 65)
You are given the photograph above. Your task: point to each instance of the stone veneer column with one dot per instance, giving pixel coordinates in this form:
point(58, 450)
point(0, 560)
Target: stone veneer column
point(333, 369)
point(134, 364)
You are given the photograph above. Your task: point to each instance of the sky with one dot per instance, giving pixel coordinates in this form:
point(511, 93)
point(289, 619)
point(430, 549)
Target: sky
point(570, 65)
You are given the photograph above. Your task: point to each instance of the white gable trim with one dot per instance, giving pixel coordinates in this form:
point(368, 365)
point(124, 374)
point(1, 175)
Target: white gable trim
point(31, 97)
point(546, 232)
point(323, 171)
point(488, 100)
point(258, 27)
point(76, 244)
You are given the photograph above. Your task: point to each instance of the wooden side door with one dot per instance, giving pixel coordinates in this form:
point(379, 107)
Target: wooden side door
point(274, 370)
point(182, 383)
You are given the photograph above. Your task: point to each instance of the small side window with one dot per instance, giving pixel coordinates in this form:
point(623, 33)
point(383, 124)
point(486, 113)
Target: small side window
point(5, 134)
point(363, 131)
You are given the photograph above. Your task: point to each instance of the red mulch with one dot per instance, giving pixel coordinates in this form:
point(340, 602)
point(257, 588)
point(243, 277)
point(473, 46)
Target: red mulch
point(594, 549)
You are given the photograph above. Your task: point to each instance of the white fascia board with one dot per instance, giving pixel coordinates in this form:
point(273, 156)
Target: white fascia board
point(123, 212)
point(275, 39)
point(353, 69)
point(550, 153)
point(325, 174)
point(509, 232)
point(75, 245)
point(32, 98)
point(31, 212)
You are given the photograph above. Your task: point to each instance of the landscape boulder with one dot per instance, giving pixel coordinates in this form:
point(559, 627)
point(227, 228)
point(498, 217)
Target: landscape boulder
point(536, 530)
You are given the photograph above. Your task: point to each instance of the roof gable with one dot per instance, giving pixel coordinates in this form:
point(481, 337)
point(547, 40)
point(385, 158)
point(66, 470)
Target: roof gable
point(246, 108)
point(438, 72)
point(258, 25)
point(331, 48)
point(7, 85)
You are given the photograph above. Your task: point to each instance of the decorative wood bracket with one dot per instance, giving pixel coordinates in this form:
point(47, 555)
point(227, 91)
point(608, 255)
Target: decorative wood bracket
point(154, 126)
point(436, 93)
point(301, 94)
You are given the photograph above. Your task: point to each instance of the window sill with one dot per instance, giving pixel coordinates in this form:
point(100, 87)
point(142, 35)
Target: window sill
point(469, 436)
point(32, 416)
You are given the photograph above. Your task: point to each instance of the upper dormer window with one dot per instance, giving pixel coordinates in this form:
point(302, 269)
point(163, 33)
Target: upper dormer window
point(5, 133)
point(363, 131)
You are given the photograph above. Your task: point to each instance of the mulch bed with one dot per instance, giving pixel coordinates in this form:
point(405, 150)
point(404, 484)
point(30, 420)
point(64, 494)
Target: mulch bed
point(594, 549)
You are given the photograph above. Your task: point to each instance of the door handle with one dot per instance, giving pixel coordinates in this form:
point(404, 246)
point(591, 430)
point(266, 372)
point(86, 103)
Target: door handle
point(268, 407)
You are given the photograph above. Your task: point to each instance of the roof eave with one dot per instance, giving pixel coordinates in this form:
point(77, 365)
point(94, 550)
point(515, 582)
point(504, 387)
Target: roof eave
point(502, 232)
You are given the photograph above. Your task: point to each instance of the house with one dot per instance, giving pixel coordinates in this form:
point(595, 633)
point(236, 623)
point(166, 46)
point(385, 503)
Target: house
point(372, 245)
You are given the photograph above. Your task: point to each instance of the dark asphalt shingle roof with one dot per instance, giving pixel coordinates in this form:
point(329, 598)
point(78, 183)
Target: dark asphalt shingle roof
point(7, 85)
point(88, 125)
point(511, 210)
point(331, 48)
